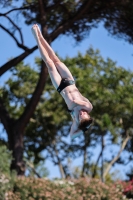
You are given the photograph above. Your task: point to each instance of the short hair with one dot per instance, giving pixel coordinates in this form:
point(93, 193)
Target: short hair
point(85, 124)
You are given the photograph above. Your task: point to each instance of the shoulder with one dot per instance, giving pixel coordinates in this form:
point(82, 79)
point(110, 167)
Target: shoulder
point(89, 104)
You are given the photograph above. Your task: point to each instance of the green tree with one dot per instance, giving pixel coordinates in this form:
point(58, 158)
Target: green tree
point(69, 17)
point(110, 90)
point(108, 87)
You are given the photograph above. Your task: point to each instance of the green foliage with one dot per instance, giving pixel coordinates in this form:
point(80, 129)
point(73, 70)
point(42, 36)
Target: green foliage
point(6, 179)
point(18, 89)
point(5, 157)
point(76, 18)
point(108, 87)
point(67, 13)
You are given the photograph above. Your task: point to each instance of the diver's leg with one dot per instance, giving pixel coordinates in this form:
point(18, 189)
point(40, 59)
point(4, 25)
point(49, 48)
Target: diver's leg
point(54, 74)
point(61, 67)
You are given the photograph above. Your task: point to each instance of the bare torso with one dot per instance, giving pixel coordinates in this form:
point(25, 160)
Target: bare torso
point(71, 93)
point(75, 102)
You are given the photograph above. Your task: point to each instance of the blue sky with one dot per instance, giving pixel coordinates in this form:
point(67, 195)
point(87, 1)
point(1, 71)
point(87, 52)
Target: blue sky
point(118, 50)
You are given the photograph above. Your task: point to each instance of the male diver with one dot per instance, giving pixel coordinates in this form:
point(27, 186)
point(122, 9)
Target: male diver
point(63, 81)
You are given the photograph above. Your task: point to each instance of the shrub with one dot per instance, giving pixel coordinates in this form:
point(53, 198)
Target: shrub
point(29, 188)
point(6, 179)
point(128, 189)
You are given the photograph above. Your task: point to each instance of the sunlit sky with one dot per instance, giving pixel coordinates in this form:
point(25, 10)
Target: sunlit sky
point(117, 50)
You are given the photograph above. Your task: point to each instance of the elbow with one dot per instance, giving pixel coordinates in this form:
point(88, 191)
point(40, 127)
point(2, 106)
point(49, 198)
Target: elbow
point(91, 106)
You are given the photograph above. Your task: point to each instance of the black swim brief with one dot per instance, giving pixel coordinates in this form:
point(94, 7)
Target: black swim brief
point(64, 83)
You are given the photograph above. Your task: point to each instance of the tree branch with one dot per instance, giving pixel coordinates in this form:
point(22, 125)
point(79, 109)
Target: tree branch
point(71, 20)
point(59, 164)
point(57, 5)
point(24, 119)
point(84, 162)
point(30, 108)
point(16, 60)
point(117, 157)
point(83, 10)
point(11, 34)
point(30, 165)
point(94, 172)
point(4, 116)
point(62, 171)
point(43, 18)
point(14, 9)
point(21, 37)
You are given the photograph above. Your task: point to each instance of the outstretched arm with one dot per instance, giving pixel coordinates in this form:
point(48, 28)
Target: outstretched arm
point(74, 131)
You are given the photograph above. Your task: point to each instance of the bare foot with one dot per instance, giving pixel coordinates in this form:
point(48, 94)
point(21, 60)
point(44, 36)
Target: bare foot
point(35, 31)
point(38, 30)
